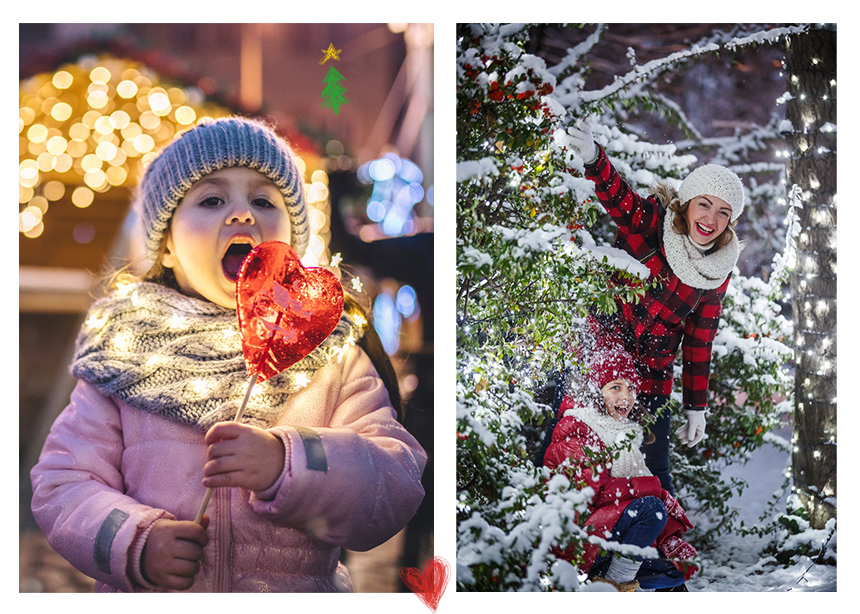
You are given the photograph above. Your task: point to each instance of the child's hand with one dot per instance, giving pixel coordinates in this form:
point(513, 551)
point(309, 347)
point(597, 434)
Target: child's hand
point(172, 553)
point(242, 455)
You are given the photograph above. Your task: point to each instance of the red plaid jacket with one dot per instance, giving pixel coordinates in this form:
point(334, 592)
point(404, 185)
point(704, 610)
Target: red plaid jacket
point(671, 314)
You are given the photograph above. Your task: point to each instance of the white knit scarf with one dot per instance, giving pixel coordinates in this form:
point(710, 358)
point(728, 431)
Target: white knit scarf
point(691, 265)
point(615, 435)
point(180, 357)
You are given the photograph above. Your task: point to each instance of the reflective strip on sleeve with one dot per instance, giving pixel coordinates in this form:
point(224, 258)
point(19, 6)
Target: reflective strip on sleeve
point(105, 537)
point(314, 450)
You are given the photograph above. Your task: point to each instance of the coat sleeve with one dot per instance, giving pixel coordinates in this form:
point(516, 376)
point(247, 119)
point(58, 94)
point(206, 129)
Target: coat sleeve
point(570, 451)
point(356, 482)
point(700, 329)
point(633, 214)
point(78, 494)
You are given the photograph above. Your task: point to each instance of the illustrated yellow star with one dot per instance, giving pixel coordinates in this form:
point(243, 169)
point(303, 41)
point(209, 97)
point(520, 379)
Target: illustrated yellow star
point(331, 52)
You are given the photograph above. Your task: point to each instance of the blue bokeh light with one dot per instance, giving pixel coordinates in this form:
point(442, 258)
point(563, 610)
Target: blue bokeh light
point(382, 169)
point(386, 320)
point(396, 190)
point(406, 301)
point(376, 210)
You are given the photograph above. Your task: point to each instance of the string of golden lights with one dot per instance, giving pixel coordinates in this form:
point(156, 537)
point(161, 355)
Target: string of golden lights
point(93, 125)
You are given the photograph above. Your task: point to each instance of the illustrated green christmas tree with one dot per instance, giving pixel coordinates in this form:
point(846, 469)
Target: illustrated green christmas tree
point(333, 94)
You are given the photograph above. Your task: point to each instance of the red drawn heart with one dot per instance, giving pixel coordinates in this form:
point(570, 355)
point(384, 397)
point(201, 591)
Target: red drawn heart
point(430, 582)
point(285, 310)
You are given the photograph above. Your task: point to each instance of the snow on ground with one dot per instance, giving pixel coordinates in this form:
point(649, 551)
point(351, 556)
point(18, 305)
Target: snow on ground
point(746, 573)
point(736, 565)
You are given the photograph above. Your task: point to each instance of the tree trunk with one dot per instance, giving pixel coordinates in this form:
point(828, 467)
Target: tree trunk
point(811, 109)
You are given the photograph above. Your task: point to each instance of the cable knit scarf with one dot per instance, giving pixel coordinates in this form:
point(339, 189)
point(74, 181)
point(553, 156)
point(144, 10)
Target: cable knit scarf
point(180, 357)
point(614, 434)
point(694, 268)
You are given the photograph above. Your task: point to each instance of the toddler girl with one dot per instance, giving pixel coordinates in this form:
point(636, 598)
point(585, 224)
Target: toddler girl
point(596, 443)
point(319, 461)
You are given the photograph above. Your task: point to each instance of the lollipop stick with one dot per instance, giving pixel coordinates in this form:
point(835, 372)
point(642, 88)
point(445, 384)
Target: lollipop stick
point(204, 505)
point(241, 409)
point(199, 518)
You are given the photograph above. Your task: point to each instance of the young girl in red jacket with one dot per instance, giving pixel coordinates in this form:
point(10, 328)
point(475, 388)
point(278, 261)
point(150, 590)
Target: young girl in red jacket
point(596, 443)
point(319, 460)
point(685, 238)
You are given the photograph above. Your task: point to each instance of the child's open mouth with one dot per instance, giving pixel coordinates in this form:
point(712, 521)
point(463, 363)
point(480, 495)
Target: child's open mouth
point(621, 410)
point(233, 258)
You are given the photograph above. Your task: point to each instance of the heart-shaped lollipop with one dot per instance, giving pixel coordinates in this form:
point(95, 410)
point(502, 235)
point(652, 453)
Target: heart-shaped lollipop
point(285, 310)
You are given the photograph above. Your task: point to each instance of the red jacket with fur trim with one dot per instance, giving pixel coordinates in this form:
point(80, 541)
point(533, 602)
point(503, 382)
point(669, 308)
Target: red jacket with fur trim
point(573, 439)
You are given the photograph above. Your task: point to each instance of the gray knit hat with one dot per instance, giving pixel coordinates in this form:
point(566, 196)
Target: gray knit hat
point(714, 180)
point(211, 146)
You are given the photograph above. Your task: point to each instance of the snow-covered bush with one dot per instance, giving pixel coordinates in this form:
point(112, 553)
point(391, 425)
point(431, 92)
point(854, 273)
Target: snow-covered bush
point(791, 539)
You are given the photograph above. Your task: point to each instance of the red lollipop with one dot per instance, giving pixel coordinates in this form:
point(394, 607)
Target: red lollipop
point(285, 311)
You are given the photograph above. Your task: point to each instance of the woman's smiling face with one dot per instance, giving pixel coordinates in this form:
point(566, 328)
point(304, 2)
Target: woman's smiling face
point(216, 224)
point(707, 218)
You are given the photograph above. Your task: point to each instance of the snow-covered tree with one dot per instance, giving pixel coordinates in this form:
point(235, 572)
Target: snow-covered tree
point(534, 256)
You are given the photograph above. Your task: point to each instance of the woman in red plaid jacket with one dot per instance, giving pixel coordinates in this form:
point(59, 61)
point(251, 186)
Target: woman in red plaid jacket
point(685, 238)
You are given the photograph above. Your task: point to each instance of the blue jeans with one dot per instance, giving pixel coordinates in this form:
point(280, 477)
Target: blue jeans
point(657, 453)
point(640, 524)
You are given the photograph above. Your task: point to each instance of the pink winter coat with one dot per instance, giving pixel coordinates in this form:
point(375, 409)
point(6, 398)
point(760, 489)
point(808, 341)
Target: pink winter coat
point(351, 478)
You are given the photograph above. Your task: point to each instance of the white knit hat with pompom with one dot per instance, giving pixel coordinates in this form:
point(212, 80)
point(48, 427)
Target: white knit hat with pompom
point(714, 180)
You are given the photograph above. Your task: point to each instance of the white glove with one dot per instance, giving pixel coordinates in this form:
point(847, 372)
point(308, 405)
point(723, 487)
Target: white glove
point(694, 430)
point(582, 140)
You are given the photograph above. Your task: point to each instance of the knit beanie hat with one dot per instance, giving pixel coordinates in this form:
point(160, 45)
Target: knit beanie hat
point(610, 361)
point(211, 146)
point(714, 180)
